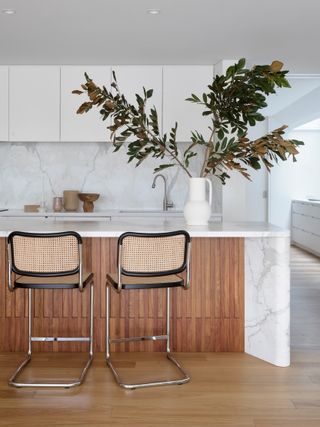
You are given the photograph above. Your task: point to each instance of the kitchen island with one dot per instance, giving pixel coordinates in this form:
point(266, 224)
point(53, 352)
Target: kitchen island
point(239, 299)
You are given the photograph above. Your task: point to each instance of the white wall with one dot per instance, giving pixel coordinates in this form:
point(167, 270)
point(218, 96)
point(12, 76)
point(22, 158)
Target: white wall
point(301, 111)
point(295, 180)
point(244, 200)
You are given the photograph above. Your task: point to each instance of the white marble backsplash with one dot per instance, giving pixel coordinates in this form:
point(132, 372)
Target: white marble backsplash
point(26, 168)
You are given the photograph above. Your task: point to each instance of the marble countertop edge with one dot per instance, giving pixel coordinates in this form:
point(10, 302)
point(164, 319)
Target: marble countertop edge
point(115, 228)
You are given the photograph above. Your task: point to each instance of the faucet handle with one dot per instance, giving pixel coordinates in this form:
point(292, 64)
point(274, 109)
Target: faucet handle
point(169, 205)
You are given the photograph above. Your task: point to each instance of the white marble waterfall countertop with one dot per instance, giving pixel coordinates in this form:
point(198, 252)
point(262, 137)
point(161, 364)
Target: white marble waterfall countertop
point(115, 227)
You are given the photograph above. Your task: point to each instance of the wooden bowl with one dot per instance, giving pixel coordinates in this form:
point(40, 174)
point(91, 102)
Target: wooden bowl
point(88, 199)
point(31, 208)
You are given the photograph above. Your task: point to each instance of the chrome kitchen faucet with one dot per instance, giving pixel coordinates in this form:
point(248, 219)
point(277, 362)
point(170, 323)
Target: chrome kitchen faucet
point(165, 203)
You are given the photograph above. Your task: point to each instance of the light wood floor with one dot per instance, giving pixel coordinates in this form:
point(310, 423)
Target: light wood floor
point(227, 389)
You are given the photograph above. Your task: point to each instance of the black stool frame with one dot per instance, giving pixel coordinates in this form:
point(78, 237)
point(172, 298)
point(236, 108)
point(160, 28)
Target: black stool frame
point(80, 285)
point(166, 337)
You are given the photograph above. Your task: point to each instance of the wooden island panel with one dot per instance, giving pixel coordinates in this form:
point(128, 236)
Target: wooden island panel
point(207, 317)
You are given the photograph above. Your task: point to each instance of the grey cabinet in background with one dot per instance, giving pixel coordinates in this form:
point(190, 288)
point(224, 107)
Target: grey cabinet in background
point(305, 225)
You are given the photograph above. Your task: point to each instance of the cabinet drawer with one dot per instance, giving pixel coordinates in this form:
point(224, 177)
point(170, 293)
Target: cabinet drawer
point(306, 209)
point(306, 223)
point(306, 240)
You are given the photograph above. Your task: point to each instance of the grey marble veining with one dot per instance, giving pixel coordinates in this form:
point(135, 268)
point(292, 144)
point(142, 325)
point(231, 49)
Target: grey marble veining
point(29, 169)
point(267, 299)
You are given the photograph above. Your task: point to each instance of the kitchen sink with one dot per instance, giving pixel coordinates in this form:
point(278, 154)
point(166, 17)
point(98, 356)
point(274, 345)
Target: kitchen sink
point(149, 211)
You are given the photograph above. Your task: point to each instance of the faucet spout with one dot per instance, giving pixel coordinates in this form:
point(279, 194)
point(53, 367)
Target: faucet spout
point(165, 203)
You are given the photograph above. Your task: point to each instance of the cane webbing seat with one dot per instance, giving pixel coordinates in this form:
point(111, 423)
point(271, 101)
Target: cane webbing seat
point(48, 261)
point(59, 282)
point(149, 261)
point(141, 282)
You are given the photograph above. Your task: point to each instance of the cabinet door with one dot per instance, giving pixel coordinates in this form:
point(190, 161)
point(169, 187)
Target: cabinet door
point(132, 79)
point(179, 82)
point(82, 127)
point(34, 108)
point(4, 105)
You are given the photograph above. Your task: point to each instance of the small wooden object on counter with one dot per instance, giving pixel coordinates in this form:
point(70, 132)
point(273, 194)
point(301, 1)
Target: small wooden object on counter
point(31, 208)
point(70, 200)
point(88, 199)
point(57, 204)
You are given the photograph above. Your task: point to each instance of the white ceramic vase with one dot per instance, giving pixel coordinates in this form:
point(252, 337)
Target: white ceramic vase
point(197, 210)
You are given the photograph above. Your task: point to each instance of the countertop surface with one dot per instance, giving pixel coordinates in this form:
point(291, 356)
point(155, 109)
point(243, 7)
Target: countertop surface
point(107, 214)
point(104, 213)
point(308, 201)
point(114, 228)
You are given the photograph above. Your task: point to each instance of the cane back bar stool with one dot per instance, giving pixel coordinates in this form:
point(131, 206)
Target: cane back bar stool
point(48, 261)
point(149, 261)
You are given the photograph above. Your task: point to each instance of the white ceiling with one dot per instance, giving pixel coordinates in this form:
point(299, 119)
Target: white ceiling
point(185, 32)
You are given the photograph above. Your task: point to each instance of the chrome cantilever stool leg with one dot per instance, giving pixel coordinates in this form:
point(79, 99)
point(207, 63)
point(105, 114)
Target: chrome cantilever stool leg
point(13, 379)
point(185, 377)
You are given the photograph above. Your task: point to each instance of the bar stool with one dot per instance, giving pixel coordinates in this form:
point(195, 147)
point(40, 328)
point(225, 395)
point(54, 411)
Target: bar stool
point(149, 261)
point(48, 261)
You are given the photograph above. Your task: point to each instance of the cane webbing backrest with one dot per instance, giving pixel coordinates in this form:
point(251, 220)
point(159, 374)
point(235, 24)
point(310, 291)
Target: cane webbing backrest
point(148, 254)
point(54, 254)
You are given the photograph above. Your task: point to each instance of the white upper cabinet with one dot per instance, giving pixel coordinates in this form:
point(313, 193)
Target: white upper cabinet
point(87, 126)
point(4, 108)
point(34, 106)
point(39, 105)
point(131, 80)
point(179, 82)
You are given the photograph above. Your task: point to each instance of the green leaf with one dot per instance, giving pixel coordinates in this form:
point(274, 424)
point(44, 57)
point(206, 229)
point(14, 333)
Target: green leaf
point(165, 166)
point(241, 64)
point(149, 93)
point(220, 134)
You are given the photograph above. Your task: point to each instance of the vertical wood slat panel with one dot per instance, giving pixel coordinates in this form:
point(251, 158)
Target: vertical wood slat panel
point(8, 331)
point(207, 317)
point(3, 277)
point(216, 279)
point(48, 303)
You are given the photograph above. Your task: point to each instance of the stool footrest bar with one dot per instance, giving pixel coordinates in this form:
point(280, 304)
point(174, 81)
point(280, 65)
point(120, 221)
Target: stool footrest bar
point(61, 339)
point(143, 338)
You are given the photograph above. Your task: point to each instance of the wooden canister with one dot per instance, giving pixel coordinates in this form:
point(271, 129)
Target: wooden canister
point(70, 200)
